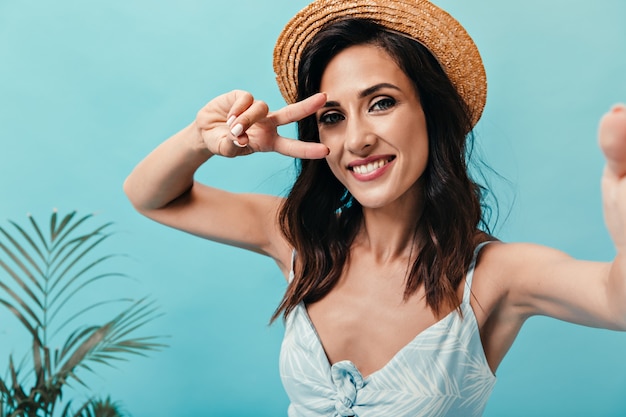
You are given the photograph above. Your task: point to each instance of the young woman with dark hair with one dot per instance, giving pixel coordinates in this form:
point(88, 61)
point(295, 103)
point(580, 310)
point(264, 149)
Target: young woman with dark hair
point(399, 301)
point(451, 209)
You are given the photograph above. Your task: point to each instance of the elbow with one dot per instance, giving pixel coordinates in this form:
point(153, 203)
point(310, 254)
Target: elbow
point(620, 319)
point(134, 196)
point(619, 322)
point(148, 201)
point(616, 319)
point(128, 190)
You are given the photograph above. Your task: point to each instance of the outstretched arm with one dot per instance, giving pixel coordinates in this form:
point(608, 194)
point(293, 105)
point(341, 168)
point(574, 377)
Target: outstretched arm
point(536, 280)
point(162, 186)
point(520, 280)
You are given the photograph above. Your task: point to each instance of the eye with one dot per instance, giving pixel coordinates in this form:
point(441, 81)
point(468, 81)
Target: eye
point(330, 118)
point(383, 104)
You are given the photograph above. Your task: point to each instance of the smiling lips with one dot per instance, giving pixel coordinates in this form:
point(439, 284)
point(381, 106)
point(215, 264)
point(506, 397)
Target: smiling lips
point(370, 169)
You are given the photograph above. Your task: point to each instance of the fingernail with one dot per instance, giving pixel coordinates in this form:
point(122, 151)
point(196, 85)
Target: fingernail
point(237, 130)
point(230, 121)
point(236, 142)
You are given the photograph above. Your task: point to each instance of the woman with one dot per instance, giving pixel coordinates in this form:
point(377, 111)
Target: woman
point(396, 304)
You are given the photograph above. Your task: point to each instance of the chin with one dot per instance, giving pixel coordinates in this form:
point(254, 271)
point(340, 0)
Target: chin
point(372, 203)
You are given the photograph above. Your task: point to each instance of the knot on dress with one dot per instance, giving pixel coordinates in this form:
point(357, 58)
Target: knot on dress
point(348, 381)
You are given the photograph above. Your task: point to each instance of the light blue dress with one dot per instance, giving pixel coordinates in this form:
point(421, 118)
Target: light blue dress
point(442, 372)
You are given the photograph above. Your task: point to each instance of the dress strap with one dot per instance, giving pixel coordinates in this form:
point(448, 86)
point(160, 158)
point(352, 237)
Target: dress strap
point(292, 273)
point(467, 293)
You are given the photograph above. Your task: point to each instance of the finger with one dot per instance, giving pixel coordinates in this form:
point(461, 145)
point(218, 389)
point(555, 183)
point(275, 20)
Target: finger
point(299, 149)
point(242, 100)
point(612, 138)
point(221, 108)
point(240, 123)
point(300, 110)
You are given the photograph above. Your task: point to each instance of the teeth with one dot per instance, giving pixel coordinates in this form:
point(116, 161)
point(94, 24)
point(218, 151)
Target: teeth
point(371, 167)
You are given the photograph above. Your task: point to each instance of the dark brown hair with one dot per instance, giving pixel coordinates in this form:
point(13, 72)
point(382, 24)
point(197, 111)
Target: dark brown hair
point(320, 218)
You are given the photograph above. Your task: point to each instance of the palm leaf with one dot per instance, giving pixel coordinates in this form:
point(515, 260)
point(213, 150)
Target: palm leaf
point(83, 311)
point(53, 225)
point(78, 275)
point(17, 278)
point(30, 241)
point(134, 317)
point(38, 231)
point(68, 232)
point(47, 362)
point(108, 338)
point(74, 339)
point(100, 408)
point(20, 302)
point(26, 255)
point(17, 389)
point(4, 391)
point(56, 231)
point(48, 274)
point(40, 374)
point(73, 245)
point(20, 317)
point(84, 348)
point(66, 410)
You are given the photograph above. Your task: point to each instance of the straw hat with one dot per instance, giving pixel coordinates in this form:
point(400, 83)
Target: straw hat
point(421, 20)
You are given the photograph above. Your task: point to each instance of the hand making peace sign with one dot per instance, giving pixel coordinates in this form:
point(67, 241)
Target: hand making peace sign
point(236, 124)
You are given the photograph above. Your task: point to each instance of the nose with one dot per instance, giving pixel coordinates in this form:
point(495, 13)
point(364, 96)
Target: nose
point(360, 137)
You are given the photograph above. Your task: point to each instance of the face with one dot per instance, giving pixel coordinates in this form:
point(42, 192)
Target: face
point(374, 126)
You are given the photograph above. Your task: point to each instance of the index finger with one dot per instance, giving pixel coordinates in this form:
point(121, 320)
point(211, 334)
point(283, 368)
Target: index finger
point(298, 111)
point(299, 149)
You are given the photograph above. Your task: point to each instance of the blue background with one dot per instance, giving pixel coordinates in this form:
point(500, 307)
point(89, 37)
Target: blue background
point(88, 88)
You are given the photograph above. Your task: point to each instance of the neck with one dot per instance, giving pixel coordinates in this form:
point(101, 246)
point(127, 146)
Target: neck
point(391, 232)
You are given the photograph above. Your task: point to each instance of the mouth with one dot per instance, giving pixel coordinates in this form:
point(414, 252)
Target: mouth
point(367, 167)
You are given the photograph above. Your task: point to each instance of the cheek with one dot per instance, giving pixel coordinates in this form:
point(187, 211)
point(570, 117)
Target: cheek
point(333, 164)
point(424, 148)
point(326, 137)
point(334, 142)
point(419, 139)
point(422, 153)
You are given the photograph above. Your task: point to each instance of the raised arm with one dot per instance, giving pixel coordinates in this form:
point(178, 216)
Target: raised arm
point(515, 281)
point(543, 281)
point(162, 186)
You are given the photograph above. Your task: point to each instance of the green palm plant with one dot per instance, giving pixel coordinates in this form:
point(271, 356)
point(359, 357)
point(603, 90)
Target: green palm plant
point(46, 272)
point(102, 408)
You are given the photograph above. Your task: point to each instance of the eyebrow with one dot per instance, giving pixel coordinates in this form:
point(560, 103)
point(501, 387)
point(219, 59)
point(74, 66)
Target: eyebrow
point(371, 90)
point(367, 92)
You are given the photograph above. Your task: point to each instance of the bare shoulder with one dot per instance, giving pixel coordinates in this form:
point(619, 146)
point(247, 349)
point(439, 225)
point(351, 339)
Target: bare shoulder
point(499, 301)
point(490, 285)
point(507, 276)
point(502, 263)
point(505, 269)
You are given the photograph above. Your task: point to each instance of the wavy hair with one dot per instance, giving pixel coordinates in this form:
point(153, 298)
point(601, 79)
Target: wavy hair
point(320, 218)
